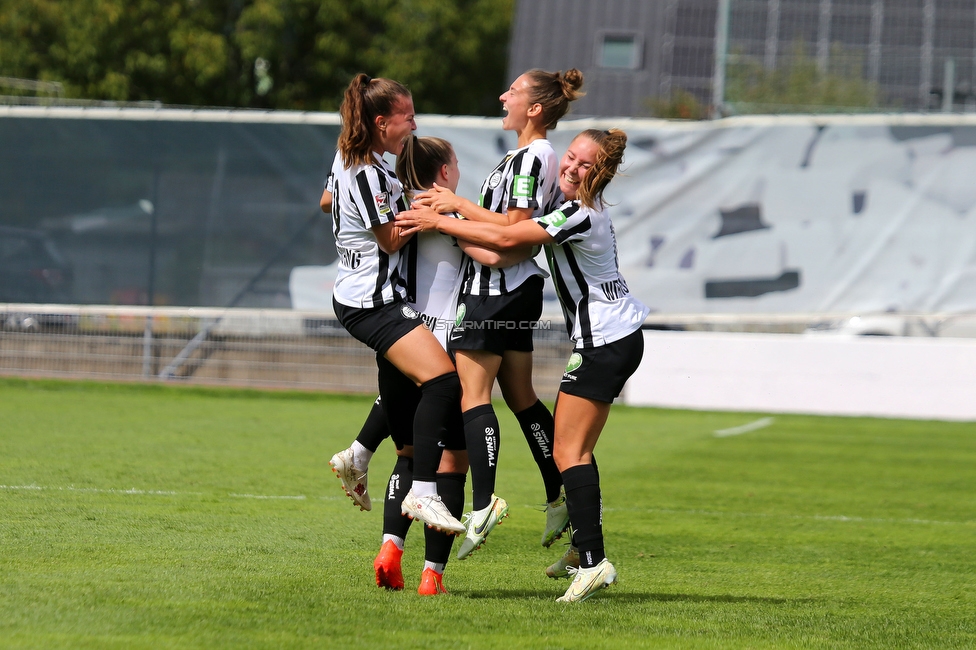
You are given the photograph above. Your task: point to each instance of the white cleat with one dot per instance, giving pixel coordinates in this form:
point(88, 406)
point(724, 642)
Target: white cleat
point(432, 511)
point(353, 479)
point(557, 519)
point(562, 567)
point(587, 582)
point(480, 523)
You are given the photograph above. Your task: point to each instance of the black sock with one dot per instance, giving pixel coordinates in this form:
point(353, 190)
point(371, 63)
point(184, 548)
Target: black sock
point(399, 397)
point(482, 440)
point(374, 429)
point(537, 427)
point(450, 487)
point(585, 512)
point(438, 401)
point(394, 523)
point(596, 468)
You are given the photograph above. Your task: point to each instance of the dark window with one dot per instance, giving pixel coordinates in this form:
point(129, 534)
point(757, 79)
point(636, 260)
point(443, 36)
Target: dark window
point(620, 51)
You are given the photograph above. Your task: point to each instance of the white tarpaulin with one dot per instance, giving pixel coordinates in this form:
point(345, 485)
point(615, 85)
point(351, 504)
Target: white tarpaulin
point(774, 215)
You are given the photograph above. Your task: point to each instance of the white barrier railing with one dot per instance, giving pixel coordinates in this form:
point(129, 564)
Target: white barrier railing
point(241, 347)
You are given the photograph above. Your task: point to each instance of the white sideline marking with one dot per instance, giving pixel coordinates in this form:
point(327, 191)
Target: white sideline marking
point(169, 493)
point(761, 423)
point(763, 515)
point(709, 513)
point(93, 490)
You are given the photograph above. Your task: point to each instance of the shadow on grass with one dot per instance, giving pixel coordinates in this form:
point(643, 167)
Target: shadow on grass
point(515, 594)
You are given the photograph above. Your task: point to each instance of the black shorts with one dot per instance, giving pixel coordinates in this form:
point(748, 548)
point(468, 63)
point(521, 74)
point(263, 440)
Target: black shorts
point(400, 397)
point(499, 323)
point(600, 373)
point(378, 327)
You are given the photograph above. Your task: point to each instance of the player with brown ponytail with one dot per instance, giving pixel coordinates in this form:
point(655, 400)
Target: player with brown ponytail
point(372, 289)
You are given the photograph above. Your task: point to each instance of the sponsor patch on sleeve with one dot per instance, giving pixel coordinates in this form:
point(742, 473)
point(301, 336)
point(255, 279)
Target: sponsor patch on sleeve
point(555, 219)
point(523, 187)
point(382, 202)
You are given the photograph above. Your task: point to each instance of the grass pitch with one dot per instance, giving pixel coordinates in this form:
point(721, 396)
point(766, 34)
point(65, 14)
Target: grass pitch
point(170, 517)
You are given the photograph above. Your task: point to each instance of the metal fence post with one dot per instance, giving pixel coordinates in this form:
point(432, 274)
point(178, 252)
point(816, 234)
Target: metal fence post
point(721, 56)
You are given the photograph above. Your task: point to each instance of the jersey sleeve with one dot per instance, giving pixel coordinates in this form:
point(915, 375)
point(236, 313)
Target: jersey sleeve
point(330, 183)
point(374, 197)
point(527, 184)
point(567, 224)
point(455, 215)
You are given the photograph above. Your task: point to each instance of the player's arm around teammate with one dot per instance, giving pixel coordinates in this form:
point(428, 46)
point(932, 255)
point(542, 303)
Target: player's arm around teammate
point(524, 184)
point(602, 317)
point(370, 289)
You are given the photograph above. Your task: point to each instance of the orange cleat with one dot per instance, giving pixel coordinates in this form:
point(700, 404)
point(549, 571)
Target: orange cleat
point(387, 566)
point(431, 583)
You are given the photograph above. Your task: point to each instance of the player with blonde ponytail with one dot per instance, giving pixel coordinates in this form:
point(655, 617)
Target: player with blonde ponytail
point(602, 318)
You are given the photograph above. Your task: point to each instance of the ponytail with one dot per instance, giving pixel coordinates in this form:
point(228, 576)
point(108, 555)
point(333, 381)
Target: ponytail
point(364, 99)
point(420, 161)
point(609, 158)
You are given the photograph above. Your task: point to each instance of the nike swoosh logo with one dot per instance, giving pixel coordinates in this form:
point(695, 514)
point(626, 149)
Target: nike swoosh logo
point(484, 524)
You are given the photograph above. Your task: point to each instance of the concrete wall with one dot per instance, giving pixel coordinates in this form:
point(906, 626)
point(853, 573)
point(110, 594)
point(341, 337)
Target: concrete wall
point(919, 378)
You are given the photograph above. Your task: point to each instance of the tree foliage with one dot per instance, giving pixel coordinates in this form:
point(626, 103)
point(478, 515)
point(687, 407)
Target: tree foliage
point(451, 53)
point(800, 84)
point(680, 105)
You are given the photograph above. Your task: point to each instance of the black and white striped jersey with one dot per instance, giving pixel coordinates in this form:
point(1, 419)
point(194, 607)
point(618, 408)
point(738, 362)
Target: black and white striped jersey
point(364, 197)
point(528, 177)
point(583, 259)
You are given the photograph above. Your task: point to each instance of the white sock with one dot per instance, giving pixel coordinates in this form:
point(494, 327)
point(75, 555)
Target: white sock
point(424, 488)
point(399, 541)
point(436, 566)
point(360, 455)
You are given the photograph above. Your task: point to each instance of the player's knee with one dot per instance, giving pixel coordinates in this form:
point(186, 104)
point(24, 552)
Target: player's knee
point(566, 457)
point(453, 462)
point(447, 386)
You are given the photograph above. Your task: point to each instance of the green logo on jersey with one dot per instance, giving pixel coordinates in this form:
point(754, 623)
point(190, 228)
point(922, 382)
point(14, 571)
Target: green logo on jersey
point(523, 187)
point(575, 361)
point(555, 219)
point(460, 315)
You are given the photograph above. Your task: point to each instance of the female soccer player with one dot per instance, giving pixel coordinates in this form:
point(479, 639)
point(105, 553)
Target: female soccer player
point(371, 287)
point(522, 186)
point(601, 316)
point(435, 265)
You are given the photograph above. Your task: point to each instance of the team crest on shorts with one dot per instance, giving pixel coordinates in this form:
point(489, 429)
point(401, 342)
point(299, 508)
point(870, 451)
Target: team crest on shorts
point(575, 361)
point(494, 180)
point(409, 312)
point(459, 317)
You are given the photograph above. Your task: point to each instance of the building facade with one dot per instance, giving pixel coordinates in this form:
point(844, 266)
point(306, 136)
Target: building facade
point(633, 52)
